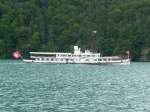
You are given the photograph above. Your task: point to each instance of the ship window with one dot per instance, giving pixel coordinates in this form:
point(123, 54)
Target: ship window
point(99, 59)
point(115, 59)
point(47, 59)
point(52, 59)
point(104, 59)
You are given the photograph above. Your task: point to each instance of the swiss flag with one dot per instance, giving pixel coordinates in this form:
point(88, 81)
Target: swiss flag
point(16, 54)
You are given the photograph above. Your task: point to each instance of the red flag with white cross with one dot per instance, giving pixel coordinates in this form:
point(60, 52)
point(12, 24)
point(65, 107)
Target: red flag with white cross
point(16, 54)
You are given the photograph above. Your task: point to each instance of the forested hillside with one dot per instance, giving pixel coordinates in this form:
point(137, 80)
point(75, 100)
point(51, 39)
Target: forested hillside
point(57, 25)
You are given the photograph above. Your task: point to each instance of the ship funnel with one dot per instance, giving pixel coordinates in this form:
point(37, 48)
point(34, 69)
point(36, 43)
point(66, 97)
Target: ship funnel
point(76, 50)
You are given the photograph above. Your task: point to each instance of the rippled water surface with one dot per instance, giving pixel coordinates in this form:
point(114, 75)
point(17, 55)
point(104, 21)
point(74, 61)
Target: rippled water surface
point(74, 88)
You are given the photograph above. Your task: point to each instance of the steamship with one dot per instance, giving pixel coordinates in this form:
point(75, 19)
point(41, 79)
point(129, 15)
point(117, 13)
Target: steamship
point(77, 57)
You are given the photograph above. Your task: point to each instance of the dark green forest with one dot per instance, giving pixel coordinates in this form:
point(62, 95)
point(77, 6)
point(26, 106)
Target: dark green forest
point(58, 25)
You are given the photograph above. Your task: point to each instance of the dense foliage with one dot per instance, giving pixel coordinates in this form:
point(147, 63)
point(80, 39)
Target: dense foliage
point(57, 25)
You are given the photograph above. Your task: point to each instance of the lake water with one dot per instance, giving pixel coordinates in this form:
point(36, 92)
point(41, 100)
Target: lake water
point(34, 87)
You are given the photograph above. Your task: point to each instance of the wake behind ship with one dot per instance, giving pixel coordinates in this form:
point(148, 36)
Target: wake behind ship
point(77, 57)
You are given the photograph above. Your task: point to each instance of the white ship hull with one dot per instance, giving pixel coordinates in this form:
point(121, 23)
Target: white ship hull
point(121, 62)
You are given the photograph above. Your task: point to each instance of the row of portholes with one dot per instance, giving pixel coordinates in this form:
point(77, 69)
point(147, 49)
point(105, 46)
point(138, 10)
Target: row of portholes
point(53, 59)
point(78, 55)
